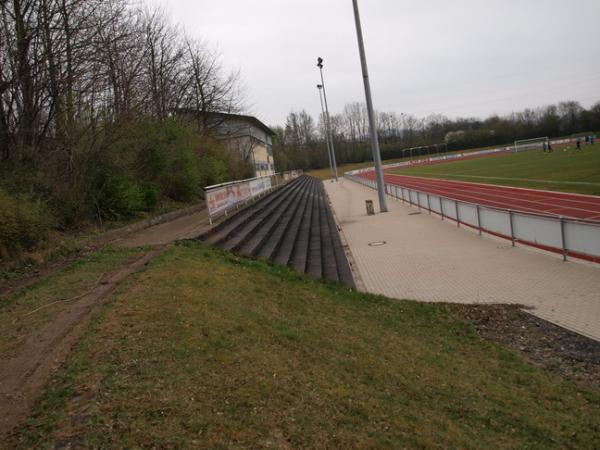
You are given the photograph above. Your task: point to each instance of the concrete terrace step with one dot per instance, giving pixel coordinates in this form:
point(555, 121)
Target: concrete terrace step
point(293, 226)
point(300, 250)
point(285, 250)
point(246, 231)
point(264, 233)
point(223, 230)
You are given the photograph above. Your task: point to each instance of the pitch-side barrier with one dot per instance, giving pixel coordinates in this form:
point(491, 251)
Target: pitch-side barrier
point(462, 155)
point(222, 198)
point(569, 237)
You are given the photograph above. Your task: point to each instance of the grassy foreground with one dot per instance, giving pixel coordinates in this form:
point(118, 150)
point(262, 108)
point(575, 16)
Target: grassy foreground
point(27, 310)
point(569, 171)
point(207, 350)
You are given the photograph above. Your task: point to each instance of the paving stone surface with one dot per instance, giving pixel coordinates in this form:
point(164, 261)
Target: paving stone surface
point(427, 259)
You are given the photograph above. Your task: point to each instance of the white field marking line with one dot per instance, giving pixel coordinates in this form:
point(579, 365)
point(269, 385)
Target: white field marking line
point(494, 193)
point(500, 199)
point(583, 183)
point(556, 193)
point(475, 199)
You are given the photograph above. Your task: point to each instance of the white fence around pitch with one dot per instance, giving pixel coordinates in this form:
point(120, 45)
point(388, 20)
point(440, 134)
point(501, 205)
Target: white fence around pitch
point(222, 198)
point(462, 155)
point(569, 237)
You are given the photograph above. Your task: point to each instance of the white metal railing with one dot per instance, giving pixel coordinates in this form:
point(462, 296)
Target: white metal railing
point(457, 156)
point(569, 237)
point(222, 198)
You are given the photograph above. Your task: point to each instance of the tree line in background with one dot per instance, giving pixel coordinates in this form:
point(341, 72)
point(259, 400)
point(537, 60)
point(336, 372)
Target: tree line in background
point(300, 143)
point(87, 131)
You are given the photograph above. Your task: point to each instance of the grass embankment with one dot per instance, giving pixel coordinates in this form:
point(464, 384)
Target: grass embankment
point(204, 349)
point(27, 310)
point(569, 171)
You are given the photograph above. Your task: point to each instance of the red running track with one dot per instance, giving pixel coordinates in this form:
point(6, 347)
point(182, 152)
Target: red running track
point(576, 206)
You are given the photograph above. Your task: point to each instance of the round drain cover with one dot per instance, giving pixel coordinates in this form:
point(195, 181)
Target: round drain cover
point(377, 243)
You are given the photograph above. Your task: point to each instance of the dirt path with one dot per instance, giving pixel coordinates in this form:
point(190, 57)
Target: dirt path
point(23, 376)
point(186, 227)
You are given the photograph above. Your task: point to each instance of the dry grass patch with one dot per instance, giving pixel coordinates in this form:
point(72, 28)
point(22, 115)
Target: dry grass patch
point(207, 350)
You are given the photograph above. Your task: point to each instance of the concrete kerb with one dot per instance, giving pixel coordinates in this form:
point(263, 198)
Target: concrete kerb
point(358, 281)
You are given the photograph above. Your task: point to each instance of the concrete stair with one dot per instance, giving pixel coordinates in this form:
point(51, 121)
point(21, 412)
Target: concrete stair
point(292, 226)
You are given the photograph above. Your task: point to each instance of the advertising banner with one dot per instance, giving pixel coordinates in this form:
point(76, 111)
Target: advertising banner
point(220, 199)
point(260, 185)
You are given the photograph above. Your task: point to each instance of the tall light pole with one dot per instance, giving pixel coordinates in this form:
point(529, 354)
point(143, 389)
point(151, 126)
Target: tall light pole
point(327, 119)
point(319, 87)
point(374, 138)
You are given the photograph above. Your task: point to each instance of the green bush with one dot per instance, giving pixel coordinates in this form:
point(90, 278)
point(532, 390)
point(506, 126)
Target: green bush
point(120, 196)
point(112, 172)
point(182, 182)
point(23, 223)
point(151, 195)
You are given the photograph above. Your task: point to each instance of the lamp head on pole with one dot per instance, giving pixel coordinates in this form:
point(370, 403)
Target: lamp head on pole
point(319, 86)
point(320, 62)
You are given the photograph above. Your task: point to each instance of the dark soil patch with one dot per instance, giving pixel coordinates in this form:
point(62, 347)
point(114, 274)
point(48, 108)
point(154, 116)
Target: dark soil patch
point(547, 345)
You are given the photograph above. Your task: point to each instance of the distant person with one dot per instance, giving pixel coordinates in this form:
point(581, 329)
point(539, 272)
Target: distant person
point(544, 147)
point(578, 143)
point(587, 139)
point(592, 139)
point(549, 147)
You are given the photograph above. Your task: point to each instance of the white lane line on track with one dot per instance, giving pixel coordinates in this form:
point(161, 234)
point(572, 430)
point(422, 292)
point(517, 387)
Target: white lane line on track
point(490, 192)
point(582, 183)
point(572, 196)
point(501, 202)
point(495, 189)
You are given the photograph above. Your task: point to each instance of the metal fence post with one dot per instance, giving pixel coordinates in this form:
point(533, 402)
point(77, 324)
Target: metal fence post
point(441, 208)
point(457, 216)
point(428, 204)
point(478, 219)
point(512, 233)
point(563, 238)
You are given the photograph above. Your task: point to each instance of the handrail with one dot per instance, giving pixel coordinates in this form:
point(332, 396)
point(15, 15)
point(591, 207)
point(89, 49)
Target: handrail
point(540, 239)
point(496, 208)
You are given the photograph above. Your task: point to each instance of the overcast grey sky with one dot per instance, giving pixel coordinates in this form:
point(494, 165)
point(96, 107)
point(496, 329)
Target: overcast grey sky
point(455, 57)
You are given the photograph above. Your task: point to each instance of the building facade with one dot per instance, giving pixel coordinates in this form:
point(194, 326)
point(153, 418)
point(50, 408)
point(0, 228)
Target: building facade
point(248, 136)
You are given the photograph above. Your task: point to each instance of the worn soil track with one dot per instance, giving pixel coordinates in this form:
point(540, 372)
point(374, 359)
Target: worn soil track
point(24, 374)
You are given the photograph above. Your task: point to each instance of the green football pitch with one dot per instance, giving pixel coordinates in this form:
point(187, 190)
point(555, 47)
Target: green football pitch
point(567, 170)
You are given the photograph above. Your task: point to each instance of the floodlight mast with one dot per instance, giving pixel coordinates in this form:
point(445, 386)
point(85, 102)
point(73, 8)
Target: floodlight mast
point(374, 138)
point(320, 87)
point(327, 119)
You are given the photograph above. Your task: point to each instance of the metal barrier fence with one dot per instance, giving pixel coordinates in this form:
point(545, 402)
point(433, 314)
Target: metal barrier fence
point(569, 237)
point(447, 157)
point(222, 198)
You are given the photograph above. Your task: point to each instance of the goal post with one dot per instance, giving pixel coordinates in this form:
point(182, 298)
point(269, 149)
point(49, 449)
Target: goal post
point(530, 144)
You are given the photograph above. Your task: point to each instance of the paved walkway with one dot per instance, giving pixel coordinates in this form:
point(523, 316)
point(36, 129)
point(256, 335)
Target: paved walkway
point(430, 260)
